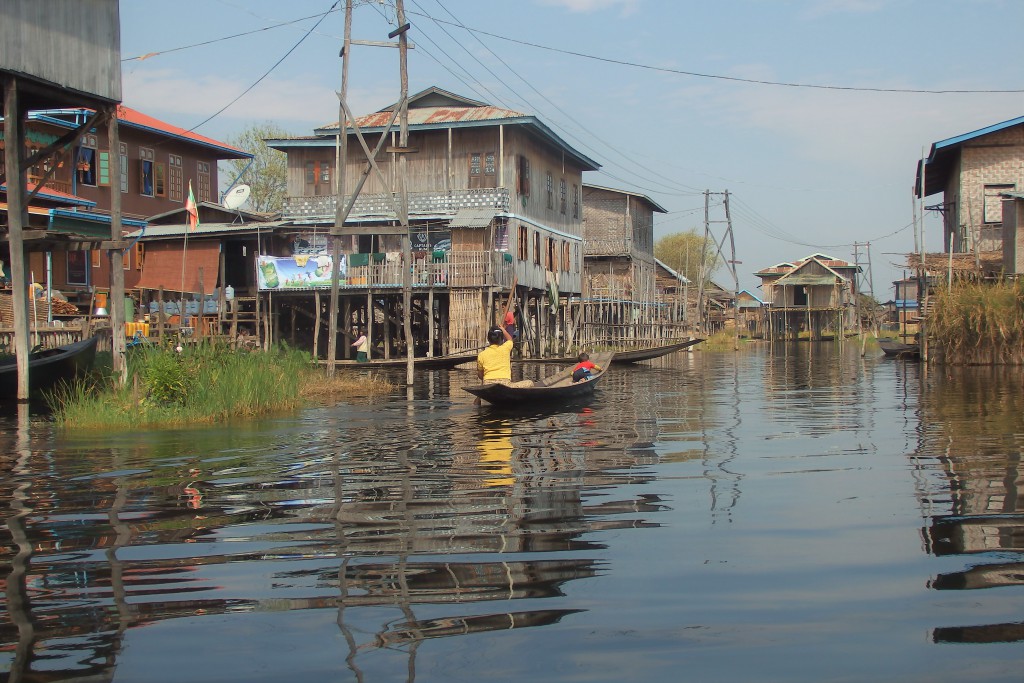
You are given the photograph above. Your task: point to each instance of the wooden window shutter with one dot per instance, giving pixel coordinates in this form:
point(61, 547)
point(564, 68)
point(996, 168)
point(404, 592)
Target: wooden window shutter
point(103, 164)
point(524, 176)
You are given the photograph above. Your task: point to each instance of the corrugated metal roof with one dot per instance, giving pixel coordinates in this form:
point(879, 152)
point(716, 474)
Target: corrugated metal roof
point(473, 217)
point(939, 163)
point(809, 279)
point(173, 231)
point(136, 119)
point(657, 207)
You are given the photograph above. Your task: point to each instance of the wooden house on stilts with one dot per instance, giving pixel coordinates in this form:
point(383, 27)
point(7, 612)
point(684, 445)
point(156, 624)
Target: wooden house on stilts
point(814, 297)
point(495, 216)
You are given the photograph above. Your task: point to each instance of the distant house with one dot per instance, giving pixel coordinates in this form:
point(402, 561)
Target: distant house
point(972, 171)
point(158, 163)
point(620, 288)
point(495, 198)
point(749, 309)
point(814, 295)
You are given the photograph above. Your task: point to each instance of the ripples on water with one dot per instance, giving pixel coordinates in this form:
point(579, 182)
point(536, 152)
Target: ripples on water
point(791, 514)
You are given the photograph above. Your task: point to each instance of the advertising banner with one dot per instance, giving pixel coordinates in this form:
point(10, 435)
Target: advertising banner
point(296, 272)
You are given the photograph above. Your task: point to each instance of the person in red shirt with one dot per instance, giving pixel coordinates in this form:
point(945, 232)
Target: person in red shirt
point(584, 368)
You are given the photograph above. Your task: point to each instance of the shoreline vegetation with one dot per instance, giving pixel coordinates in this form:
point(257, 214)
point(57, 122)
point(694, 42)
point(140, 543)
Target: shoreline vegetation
point(203, 384)
point(978, 323)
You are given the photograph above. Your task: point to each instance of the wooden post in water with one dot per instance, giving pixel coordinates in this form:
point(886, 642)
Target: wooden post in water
point(17, 218)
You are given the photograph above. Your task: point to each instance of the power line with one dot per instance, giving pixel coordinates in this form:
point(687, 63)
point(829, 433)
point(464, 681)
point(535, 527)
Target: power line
point(268, 71)
point(737, 79)
point(220, 40)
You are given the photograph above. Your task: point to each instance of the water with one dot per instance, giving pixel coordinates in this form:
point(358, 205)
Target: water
point(796, 514)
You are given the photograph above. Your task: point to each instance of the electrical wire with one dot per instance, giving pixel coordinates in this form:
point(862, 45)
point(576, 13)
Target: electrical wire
point(268, 72)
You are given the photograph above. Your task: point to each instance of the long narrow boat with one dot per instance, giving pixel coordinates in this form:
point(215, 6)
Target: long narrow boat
point(895, 349)
point(626, 355)
point(557, 388)
point(48, 368)
point(419, 362)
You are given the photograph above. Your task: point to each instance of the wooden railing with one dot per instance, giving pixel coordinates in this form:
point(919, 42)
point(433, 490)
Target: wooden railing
point(456, 269)
point(384, 205)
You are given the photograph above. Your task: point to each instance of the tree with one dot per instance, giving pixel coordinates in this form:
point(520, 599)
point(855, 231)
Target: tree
point(266, 172)
point(682, 251)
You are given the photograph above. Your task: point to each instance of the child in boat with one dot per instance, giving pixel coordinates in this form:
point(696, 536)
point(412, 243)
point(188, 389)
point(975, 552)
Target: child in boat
point(584, 369)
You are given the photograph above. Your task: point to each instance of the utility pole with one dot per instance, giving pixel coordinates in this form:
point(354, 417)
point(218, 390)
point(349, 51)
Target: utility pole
point(339, 211)
point(719, 246)
point(403, 215)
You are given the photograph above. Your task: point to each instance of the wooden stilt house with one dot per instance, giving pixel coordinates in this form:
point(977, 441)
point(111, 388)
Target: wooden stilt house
point(495, 216)
point(813, 298)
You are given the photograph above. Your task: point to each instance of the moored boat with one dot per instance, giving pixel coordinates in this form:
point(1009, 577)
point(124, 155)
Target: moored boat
point(626, 355)
point(895, 349)
point(48, 368)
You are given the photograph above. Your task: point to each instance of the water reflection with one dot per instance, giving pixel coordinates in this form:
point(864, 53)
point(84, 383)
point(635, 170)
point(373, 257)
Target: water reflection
point(725, 512)
point(971, 427)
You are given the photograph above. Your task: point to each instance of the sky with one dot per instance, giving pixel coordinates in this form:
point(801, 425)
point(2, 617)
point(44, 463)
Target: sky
point(810, 114)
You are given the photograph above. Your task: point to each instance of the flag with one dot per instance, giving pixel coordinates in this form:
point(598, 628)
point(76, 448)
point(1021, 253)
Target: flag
point(191, 209)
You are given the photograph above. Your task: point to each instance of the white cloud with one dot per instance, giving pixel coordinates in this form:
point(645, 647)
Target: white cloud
point(584, 6)
point(184, 100)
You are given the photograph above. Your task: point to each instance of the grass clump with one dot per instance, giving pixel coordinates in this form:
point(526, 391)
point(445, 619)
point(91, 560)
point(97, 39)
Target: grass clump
point(203, 383)
point(978, 323)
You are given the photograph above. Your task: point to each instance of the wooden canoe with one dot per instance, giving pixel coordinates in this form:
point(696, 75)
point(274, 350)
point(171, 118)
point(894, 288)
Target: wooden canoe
point(895, 349)
point(48, 368)
point(557, 388)
point(625, 355)
point(418, 362)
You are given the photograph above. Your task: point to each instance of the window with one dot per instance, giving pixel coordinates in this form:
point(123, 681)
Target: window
point(482, 170)
point(204, 181)
point(523, 244)
point(85, 161)
point(562, 196)
point(536, 248)
point(78, 267)
point(310, 172)
point(552, 258)
point(524, 176)
point(325, 173)
point(551, 191)
point(566, 261)
point(501, 236)
point(575, 201)
point(175, 178)
point(123, 151)
point(145, 172)
point(103, 168)
point(994, 203)
point(160, 179)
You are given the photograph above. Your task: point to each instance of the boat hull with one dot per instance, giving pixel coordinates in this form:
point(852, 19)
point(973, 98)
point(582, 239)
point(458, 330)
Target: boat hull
point(558, 388)
point(895, 349)
point(48, 368)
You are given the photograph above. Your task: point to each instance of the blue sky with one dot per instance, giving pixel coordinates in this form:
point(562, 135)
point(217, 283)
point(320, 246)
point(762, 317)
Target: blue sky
point(672, 97)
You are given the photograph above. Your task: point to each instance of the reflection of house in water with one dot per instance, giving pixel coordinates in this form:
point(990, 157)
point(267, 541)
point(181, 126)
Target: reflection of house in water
point(985, 521)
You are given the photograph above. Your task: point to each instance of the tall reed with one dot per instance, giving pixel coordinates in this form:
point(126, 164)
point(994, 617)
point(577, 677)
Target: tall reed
point(978, 323)
point(203, 383)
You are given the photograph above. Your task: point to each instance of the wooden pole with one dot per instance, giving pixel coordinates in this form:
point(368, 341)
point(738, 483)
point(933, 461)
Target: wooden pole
point(117, 313)
point(342, 160)
point(403, 142)
point(17, 219)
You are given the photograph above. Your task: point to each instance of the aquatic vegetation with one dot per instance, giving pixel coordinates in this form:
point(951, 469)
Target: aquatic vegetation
point(978, 323)
point(202, 383)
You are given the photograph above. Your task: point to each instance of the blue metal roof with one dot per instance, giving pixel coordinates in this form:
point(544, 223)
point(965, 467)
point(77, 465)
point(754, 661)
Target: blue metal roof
point(939, 162)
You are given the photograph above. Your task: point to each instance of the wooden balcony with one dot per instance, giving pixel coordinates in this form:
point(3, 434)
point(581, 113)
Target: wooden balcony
point(322, 209)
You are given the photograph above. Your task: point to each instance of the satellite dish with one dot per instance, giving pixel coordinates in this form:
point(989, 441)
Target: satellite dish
point(236, 197)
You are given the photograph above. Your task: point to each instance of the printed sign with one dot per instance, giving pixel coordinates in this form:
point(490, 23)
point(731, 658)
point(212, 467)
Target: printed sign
point(296, 272)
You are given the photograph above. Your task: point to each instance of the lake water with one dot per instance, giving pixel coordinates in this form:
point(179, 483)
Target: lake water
point(796, 513)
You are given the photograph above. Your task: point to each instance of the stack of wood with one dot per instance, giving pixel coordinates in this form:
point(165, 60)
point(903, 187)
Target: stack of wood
point(36, 311)
point(62, 307)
